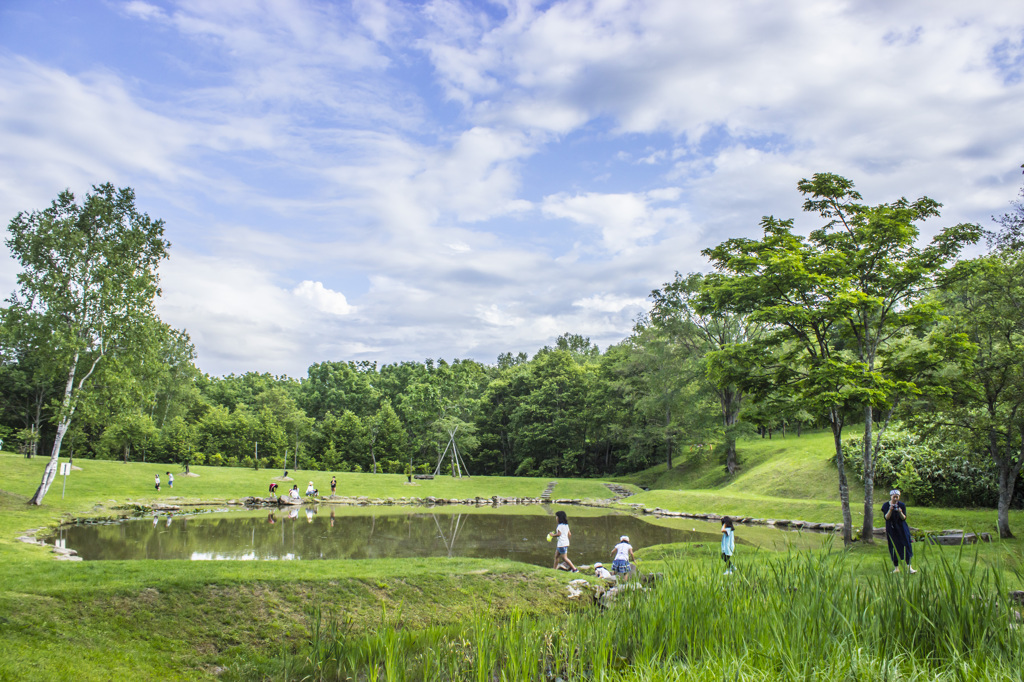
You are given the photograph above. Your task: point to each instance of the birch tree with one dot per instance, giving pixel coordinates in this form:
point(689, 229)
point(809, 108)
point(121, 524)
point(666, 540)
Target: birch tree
point(87, 286)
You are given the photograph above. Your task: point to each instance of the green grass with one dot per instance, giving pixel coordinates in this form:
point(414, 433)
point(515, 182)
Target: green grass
point(187, 620)
point(787, 478)
point(810, 616)
point(183, 620)
point(791, 468)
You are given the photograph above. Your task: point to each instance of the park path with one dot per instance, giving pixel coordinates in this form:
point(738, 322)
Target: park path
point(618, 492)
point(546, 495)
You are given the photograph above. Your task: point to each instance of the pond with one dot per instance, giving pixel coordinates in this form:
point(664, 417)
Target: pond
point(369, 533)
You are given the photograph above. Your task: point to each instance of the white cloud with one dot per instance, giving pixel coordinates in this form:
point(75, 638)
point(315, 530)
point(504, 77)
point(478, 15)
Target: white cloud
point(610, 303)
point(625, 220)
point(323, 299)
point(234, 313)
point(143, 10)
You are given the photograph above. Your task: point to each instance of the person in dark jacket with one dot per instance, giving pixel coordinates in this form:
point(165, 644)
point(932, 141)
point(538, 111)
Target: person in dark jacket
point(897, 532)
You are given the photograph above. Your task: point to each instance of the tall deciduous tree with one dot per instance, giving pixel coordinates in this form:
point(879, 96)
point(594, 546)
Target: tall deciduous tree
point(987, 401)
point(677, 311)
point(87, 285)
point(837, 298)
point(886, 276)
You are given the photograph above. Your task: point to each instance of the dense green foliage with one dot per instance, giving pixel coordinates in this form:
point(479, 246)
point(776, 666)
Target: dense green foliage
point(934, 471)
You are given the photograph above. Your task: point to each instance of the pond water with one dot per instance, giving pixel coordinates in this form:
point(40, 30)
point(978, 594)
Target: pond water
point(362, 533)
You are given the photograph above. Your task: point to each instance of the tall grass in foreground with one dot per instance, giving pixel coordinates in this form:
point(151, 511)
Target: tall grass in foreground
point(794, 616)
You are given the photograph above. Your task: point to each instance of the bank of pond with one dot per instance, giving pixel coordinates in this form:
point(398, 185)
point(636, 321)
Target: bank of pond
point(393, 532)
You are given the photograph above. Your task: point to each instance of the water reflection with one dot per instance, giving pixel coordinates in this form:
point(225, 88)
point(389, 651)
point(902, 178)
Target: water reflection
point(416, 533)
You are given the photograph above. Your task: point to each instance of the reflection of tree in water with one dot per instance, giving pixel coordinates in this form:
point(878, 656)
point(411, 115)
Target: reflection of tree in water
point(363, 536)
point(453, 531)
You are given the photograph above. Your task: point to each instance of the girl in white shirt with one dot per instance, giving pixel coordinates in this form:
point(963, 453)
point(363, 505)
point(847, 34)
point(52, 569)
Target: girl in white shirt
point(563, 534)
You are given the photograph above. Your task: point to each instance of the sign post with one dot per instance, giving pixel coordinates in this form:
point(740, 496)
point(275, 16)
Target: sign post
point(65, 469)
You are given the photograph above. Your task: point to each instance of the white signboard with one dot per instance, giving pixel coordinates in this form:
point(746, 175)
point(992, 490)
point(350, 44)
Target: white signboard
point(65, 469)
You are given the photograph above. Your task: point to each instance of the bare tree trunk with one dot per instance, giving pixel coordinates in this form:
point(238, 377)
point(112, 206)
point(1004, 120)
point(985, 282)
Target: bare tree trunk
point(730, 403)
point(867, 531)
point(1006, 485)
point(844, 487)
point(1008, 472)
point(730, 441)
point(668, 437)
point(50, 472)
point(37, 426)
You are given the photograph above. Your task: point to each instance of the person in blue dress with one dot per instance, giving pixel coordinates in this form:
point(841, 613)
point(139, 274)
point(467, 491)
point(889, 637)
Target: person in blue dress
point(728, 543)
point(897, 532)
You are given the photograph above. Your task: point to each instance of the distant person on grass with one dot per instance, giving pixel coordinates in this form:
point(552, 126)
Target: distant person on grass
point(311, 491)
point(158, 482)
point(897, 532)
point(728, 543)
point(294, 492)
point(273, 487)
point(563, 534)
point(170, 480)
point(622, 555)
point(334, 484)
point(601, 572)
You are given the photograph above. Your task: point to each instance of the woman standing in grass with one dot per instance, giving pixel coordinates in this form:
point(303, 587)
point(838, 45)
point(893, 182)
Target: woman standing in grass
point(728, 543)
point(563, 534)
point(897, 532)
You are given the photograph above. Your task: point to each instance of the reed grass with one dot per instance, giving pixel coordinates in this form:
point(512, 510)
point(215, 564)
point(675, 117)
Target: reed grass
point(793, 616)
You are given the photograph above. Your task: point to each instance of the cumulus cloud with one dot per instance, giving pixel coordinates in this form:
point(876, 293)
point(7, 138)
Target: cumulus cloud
point(322, 298)
point(624, 220)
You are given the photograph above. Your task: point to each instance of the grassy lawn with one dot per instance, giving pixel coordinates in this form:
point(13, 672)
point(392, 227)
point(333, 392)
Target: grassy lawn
point(186, 620)
point(787, 478)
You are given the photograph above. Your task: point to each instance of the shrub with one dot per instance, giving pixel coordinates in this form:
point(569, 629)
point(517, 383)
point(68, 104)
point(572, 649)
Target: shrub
point(929, 471)
point(525, 468)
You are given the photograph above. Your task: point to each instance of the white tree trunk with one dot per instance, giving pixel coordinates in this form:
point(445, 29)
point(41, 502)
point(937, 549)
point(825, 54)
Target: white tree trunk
point(50, 472)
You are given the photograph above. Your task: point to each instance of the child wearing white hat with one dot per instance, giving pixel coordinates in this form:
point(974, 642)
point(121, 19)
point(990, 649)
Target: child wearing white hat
point(623, 554)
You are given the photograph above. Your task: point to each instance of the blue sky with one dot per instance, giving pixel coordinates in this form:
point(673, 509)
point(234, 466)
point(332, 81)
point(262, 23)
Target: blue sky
point(443, 178)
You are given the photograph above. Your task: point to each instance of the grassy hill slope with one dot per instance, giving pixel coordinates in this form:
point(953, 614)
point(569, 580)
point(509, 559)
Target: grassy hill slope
point(792, 478)
point(791, 468)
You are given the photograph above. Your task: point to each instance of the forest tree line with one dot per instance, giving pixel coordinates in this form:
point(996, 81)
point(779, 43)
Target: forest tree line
point(910, 353)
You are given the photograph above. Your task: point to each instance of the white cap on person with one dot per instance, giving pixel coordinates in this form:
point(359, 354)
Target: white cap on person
point(624, 538)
